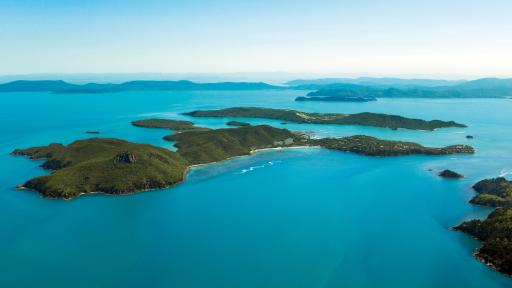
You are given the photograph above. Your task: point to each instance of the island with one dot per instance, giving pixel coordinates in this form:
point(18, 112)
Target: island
point(105, 165)
point(334, 99)
point(62, 87)
point(338, 89)
point(371, 146)
point(450, 174)
point(364, 119)
point(206, 146)
point(402, 88)
point(337, 95)
point(469, 137)
point(92, 132)
point(238, 124)
point(496, 231)
point(116, 166)
point(177, 125)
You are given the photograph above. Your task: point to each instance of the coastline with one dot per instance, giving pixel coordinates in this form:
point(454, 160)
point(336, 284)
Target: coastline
point(185, 175)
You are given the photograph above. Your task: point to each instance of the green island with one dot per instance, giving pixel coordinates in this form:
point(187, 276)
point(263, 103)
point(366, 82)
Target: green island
point(450, 174)
point(496, 230)
point(116, 166)
point(238, 124)
point(364, 119)
point(206, 146)
point(337, 95)
point(371, 146)
point(177, 125)
point(105, 165)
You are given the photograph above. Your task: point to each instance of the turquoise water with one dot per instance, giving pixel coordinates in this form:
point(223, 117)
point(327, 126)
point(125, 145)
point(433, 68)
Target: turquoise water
point(297, 218)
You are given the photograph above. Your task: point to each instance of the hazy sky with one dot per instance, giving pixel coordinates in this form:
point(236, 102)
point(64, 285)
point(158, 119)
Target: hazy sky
point(393, 37)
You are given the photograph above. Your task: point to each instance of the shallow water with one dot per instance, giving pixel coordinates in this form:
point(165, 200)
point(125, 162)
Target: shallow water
point(280, 218)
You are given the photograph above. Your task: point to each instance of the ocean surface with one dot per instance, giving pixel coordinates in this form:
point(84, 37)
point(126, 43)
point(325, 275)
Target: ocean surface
point(281, 218)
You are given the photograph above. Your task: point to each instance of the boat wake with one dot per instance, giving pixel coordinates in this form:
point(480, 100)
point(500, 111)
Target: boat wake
point(252, 168)
point(505, 172)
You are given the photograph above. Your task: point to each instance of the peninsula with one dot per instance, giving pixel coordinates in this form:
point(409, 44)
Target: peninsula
point(116, 166)
point(364, 119)
point(496, 231)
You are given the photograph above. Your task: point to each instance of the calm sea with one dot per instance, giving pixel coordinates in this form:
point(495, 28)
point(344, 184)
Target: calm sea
point(289, 218)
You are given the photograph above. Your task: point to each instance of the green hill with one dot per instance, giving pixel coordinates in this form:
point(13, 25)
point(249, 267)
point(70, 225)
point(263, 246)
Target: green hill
point(200, 147)
point(496, 231)
point(105, 165)
point(364, 119)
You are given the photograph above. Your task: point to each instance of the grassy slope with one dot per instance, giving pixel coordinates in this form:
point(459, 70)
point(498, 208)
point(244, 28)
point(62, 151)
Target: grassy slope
point(95, 165)
point(200, 147)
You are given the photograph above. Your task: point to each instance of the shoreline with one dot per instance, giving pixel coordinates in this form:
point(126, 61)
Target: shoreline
point(185, 175)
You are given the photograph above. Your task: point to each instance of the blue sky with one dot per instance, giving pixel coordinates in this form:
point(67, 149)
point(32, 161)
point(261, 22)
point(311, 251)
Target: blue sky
point(395, 37)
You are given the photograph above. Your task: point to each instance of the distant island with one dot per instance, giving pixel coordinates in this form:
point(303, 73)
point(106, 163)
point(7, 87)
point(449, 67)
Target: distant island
point(59, 86)
point(374, 81)
point(496, 231)
point(116, 166)
point(332, 89)
point(403, 88)
point(364, 119)
point(238, 124)
point(450, 174)
point(337, 95)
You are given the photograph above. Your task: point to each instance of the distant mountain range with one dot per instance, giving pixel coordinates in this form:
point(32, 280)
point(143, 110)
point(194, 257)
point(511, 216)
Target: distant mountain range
point(374, 87)
point(59, 86)
point(316, 84)
point(404, 88)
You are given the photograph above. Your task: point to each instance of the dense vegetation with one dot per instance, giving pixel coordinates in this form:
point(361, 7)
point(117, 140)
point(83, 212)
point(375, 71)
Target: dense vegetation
point(496, 230)
point(238, 124)
point(199, 147)
point(450, 174)
point(116, 166)
point(493, 192)
point(365, 119)
point(496, 234)
point(371, 146)
point(176, 125)
point(111, 166)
